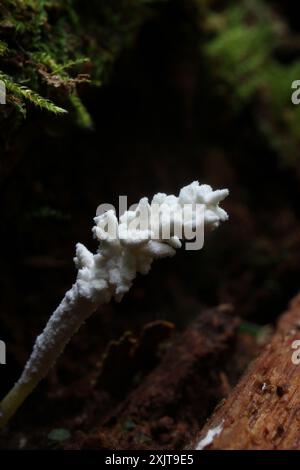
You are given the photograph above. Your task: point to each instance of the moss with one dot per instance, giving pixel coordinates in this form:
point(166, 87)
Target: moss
point(50, 47)
point(21, 93)
point(51, 50)
point(244, 46)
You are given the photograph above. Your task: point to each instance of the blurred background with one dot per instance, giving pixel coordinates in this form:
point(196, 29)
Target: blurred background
point(158, 94)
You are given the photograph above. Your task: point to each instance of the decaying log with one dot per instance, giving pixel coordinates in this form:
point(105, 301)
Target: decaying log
point(263, 411)
point(165, 408)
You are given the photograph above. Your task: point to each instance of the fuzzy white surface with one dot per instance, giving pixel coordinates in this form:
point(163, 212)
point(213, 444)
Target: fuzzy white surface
point(209, 437)
point(132, 249)
point(111, 271)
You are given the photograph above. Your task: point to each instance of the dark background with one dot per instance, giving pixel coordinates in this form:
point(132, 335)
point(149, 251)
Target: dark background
point(159, 124)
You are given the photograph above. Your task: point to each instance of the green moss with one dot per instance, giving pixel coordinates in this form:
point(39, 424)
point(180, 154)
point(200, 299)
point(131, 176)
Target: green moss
point(59, 435)
point(242, 47)
point(82, 116)
point(49, 47)
point(22, 93)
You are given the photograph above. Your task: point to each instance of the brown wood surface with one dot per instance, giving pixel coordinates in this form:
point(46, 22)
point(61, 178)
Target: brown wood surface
point(263, 410)
point(175, 399)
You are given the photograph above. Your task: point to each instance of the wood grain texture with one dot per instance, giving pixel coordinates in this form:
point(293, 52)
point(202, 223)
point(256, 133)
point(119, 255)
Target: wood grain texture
point(263, 411)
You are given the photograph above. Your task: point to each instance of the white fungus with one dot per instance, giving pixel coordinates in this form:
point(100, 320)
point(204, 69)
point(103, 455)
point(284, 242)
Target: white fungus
point(209, 437)
point(126, 248)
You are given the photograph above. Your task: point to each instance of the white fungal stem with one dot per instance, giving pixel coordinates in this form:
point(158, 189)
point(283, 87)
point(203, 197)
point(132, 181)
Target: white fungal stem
point(126, 247)
point(65, 321)
point(62, 325)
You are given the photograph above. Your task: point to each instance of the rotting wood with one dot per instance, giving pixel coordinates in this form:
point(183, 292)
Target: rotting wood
point(165, 405)
point(263, 410)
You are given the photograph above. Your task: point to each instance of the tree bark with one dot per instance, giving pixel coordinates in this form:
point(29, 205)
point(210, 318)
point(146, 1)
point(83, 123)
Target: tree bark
point(263, 411)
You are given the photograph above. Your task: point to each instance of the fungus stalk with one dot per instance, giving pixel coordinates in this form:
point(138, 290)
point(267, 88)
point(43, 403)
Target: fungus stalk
point(127, 246)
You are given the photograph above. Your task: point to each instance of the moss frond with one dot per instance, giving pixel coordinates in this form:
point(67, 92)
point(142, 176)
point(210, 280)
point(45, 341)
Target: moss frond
point(83, 117)
point(22, 91)
point(54, 49)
